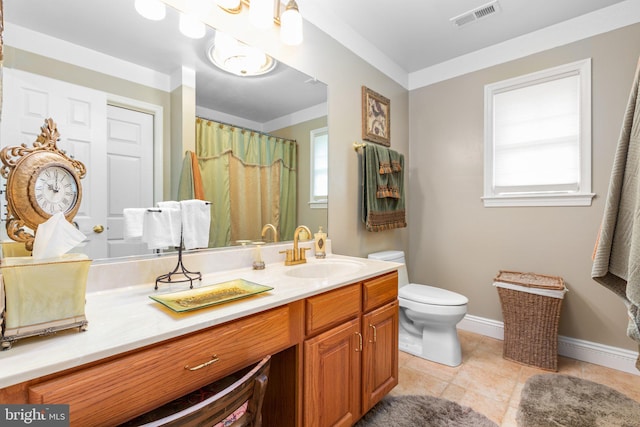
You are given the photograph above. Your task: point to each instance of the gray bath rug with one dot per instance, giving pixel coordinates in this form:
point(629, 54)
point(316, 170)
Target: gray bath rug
point(422, 411)
point(552, 400)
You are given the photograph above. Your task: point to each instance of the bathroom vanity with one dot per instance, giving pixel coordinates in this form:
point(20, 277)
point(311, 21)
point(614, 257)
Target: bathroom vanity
point(321, 326)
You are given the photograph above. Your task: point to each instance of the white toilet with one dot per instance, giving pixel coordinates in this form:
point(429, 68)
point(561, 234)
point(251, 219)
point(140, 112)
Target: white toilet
point(428, 316)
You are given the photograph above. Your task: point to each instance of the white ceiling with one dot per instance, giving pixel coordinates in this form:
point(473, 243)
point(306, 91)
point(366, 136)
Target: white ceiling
point(416, 34)
point(401, 38)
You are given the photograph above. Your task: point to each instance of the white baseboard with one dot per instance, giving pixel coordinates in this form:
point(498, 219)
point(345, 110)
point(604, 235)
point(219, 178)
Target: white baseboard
point(586, 351)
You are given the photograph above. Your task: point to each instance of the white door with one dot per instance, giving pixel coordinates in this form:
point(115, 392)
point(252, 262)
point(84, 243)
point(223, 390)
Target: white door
point(129, 171)
point(79, 112)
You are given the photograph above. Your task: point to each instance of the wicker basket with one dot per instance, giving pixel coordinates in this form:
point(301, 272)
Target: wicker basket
point(531, 305)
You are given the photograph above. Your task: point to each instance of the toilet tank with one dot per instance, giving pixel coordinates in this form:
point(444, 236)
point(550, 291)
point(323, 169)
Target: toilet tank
point(394, 256)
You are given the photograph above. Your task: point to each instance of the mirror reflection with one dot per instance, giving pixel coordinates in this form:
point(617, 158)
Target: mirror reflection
point(129, 95)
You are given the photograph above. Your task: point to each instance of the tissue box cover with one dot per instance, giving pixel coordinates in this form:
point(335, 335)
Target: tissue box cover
point(41, 291)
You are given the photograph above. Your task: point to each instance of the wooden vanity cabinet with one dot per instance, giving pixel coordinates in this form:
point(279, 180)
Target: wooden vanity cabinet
point(334, 356)
point(350, 367)
point(114, 391)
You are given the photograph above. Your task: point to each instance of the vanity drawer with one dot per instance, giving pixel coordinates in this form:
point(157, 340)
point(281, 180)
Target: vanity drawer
point(115, 391)
point(331, 308)
point(379, 290)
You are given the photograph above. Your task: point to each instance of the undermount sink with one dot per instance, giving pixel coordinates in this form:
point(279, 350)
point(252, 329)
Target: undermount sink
point(323, 269)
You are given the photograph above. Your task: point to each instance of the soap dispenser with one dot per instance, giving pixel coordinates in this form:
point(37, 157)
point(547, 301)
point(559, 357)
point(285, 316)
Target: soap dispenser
point(321, 242)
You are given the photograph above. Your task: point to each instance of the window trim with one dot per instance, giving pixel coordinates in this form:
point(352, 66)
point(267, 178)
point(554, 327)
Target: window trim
point(583, 195)
point(316, 203)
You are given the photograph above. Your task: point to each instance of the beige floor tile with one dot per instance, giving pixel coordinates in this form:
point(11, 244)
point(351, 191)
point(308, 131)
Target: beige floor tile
point(627, 384)
point(487, 406)
point(416, 382)
point(509, 419)
point(453, 392)
point(437, 370)
point(490, 384)
point(486, 382)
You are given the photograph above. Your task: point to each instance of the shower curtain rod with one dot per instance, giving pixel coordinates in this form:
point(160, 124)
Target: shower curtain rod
point(244, 128)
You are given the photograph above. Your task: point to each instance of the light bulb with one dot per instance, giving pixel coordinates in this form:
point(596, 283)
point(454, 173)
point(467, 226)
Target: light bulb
point(291, 25)
point(151, 9)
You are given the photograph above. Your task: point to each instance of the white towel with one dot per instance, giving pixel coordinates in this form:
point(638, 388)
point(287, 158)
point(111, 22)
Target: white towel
point(171, 204)
point(196, 220)
point(133, 224)
point(161, 228)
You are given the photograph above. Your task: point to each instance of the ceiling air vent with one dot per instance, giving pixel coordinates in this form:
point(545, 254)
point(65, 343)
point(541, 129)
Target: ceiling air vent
point(476, 14)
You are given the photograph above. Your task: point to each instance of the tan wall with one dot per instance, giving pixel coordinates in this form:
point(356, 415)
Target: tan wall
point(458, 244)
point(313, 218)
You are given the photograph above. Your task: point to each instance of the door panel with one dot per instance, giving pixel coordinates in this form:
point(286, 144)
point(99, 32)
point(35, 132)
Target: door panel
point(130, 172)
point(380, 354)
point(332, 377)
point(79, 113)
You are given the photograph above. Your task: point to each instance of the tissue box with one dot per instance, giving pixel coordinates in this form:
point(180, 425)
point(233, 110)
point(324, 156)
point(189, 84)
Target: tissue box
point(42, 296)
point(13, 249)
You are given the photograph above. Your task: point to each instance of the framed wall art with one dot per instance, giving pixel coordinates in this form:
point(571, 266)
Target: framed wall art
point(376, 117)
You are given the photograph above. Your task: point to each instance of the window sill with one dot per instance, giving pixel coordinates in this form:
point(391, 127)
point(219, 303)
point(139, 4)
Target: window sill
point(318, 204)
point(539, 200)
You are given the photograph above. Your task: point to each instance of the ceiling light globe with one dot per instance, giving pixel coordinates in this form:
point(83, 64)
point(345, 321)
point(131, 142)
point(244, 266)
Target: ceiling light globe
point(238, 58)
point(154, 10)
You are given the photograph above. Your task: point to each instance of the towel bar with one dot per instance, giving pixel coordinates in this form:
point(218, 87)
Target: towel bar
point(357, 146)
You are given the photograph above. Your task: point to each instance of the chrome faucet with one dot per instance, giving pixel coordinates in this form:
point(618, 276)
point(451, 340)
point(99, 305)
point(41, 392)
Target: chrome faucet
point(268, 227)
point(297, 255)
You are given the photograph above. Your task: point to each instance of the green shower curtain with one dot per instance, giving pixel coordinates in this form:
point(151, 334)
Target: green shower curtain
point(250, 177)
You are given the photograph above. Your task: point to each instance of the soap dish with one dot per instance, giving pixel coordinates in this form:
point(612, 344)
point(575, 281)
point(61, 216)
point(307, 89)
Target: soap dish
point(220, 293)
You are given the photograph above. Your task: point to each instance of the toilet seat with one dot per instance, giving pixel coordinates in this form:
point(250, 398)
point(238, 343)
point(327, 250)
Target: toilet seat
point(425, 294)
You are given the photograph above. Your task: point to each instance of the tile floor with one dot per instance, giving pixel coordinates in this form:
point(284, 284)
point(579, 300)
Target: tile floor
point(490, 384)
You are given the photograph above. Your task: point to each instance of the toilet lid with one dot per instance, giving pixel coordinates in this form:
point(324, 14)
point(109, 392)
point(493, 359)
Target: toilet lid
point(431, 295)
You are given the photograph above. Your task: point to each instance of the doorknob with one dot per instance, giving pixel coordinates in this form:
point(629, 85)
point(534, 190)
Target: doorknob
point(98, 228)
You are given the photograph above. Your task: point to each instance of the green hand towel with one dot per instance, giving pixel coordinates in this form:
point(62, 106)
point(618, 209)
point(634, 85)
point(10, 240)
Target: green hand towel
point(381, 213)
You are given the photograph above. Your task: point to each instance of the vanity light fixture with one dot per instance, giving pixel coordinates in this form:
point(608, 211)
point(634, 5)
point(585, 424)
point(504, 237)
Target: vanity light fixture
point(238, 58)
point(191, 26)
point(264, 13)
point(261, 13)
point(155, 10)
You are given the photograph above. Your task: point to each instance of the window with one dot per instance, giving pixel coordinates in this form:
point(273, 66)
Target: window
point(319, 168)
point(538, 138)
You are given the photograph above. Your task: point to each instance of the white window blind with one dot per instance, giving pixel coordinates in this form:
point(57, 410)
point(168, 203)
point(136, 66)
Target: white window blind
point(537, 138)
point(319, 167)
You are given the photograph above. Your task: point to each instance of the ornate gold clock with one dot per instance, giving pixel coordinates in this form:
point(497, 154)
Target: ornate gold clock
point(41, 181)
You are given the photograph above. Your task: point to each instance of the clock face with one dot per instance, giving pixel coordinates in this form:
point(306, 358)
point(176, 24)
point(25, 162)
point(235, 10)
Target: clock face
point(56, 190)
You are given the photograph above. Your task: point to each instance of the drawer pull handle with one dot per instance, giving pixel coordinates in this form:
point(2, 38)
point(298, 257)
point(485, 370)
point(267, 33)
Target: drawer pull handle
point(213, 360)
point(360, 338)
point(375, 334)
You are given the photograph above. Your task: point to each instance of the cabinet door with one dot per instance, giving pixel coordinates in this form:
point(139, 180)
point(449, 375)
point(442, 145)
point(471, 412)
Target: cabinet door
point(332, 376)
point(380, 354)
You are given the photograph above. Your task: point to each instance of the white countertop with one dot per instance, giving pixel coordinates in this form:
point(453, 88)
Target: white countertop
point(125, 318)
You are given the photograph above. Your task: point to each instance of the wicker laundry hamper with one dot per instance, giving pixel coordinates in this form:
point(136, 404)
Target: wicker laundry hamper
point(531, 305)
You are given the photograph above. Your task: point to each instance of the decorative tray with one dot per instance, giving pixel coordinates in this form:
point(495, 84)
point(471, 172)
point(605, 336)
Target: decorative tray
point(220, 293)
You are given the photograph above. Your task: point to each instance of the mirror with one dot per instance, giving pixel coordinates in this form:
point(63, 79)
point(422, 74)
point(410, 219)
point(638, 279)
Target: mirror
point(108, 47)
